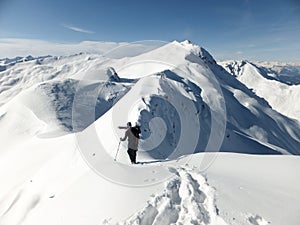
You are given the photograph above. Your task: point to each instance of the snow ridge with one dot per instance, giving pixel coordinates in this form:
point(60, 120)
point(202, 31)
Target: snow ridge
point(280, 89)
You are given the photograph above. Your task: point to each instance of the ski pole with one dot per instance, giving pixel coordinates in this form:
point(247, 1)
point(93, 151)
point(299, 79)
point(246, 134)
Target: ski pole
point(117, 150)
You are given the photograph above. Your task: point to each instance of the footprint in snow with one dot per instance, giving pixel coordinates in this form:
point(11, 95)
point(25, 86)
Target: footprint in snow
point(186, 199)
point(257, 220)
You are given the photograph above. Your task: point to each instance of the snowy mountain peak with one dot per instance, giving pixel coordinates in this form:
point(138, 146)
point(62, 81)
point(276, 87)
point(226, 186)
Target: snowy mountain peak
point(282, 81)
point(199, 51)
point(282, 72)
point(235, 67)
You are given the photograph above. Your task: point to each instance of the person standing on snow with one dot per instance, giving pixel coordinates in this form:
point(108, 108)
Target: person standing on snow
point(132, 133)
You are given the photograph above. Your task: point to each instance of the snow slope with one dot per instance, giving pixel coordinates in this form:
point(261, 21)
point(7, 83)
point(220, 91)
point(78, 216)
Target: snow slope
point(59, 135)
point(279, 85)
point(255, 189)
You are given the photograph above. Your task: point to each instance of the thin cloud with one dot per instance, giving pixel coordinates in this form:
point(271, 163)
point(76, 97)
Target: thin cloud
point(78, 29)
point(11, 47)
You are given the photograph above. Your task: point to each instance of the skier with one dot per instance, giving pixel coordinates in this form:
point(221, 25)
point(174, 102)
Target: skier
point(132, 133)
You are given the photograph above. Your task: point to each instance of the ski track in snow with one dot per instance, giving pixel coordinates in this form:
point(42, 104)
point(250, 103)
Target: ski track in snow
point(186, 199)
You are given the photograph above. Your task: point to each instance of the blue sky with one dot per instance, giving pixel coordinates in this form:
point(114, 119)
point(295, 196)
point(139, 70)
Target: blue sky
point(238, 29)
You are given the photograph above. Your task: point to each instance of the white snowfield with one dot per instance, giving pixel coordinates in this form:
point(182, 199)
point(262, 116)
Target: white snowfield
point(59, 119)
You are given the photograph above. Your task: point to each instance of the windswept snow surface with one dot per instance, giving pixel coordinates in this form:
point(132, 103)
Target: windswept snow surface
point(59, 119)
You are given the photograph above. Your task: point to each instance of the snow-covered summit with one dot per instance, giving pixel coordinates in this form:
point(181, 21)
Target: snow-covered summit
point(287, 73)
point(197, 50)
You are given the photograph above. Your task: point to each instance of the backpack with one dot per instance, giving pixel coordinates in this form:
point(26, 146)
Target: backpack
point(136, 131)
